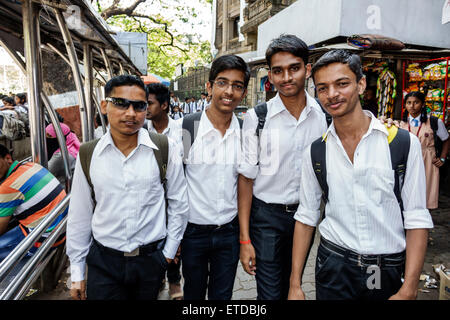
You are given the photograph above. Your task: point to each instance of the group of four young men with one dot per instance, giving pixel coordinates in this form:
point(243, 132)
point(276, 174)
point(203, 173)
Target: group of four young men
point(244, 191)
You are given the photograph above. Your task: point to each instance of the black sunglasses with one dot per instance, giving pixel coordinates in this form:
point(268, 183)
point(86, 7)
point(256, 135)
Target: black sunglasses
point(124, 104)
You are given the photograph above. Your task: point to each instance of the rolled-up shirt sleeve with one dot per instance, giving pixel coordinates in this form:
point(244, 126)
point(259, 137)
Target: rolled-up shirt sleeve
point(308, 211)
point(79, 227)
point(415, 213)
point(178, 206)
point(248, 166)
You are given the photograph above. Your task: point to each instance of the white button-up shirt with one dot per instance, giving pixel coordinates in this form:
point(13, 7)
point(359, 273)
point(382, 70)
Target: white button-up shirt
point(274, 160)
point(362, 213)
point(211, 173)
point(173, 130)
point(130, 210)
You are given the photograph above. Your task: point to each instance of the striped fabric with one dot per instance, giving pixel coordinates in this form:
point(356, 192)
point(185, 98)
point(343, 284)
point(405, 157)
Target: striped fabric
point(29, 193)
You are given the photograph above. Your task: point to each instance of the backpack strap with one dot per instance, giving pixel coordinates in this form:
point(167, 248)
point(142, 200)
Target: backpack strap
point(437, 140)
point(190, 129)
point(318, 160)
point(261, 113)
point(85, 153)
point(399, 143)
point(161, 155)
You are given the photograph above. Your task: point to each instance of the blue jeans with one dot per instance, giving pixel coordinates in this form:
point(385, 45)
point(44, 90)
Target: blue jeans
point(210, 258)
point(10, 240)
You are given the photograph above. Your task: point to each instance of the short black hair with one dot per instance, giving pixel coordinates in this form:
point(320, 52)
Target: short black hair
point(123, 80)
point(9, 100)
point(161, 92)
point(22, 96)
point(4, 151)
point(229, 62)
point(287, 43)
point(342, 56)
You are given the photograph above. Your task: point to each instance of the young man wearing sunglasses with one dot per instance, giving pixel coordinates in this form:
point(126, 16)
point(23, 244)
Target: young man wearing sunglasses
point(210, 246)
point(119, 227)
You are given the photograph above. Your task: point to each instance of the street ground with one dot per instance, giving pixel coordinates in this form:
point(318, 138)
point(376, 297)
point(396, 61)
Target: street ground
point(245, 285)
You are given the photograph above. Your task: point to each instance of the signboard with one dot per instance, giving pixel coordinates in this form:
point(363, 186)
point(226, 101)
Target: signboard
point(134, 44)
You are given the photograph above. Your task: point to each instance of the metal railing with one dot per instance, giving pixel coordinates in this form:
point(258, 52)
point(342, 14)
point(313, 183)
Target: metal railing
point(19, 286)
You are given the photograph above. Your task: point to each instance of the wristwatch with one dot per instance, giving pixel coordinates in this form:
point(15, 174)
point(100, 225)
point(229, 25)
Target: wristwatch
point(442, 160)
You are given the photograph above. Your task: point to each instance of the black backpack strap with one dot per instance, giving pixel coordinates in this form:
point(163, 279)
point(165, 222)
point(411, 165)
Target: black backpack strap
point(161, 155)
point(85, 154)
point(318, 160)
point(437, 140)
point(261, 113)
point(399, 148)
point(190, 129)
point(328, 117)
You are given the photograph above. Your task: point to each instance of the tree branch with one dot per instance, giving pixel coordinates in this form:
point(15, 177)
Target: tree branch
point(115, 10)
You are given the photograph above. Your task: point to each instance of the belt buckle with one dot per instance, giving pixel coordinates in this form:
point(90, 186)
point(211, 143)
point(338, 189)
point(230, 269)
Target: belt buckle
point(287, 208)
point(359, 261)
point(133, 253)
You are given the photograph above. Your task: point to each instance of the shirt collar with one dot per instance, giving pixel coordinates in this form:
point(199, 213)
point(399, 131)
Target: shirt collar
point(205, 125)
point(143, 139)
point(11, 168)
point(375, 124)
point(278, 106)
point(165, 131)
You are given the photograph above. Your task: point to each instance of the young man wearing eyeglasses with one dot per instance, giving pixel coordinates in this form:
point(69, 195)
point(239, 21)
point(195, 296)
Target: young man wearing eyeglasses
point(269, 180)
point(122, 235)
point(210, 245)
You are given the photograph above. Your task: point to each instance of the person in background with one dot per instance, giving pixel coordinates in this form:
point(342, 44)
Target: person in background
point(201, 104)
point(419, 123)
point(9, 107)
point(55, 159)
point(98, 132)
point(177, 114)
point(28, 193)
point(370, 101)
point(185, 106)
point(21, 102)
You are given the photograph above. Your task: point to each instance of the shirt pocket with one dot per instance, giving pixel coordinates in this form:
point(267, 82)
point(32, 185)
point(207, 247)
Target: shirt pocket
point(379, 184)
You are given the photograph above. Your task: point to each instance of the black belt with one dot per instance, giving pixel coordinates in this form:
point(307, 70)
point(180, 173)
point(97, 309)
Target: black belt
point(280, 207)
point(212, 226)
point(139, 251)
point(365, 260)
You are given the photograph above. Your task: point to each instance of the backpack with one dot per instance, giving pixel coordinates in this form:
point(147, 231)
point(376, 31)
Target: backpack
point(11, 128)
point(261, 113)
point(399, 143)
point(437, 141)
point(190, 129)
point(161, 155)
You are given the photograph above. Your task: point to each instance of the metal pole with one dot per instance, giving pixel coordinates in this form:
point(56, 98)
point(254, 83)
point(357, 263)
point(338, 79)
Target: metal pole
point(30, 13)
point(76, 72)
point(61, 139)
point(107, 63)
point(122, 71)
point(88, 88)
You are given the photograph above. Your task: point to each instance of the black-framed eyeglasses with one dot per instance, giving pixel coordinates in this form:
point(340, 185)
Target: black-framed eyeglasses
point(124, 104)
point(223, 84)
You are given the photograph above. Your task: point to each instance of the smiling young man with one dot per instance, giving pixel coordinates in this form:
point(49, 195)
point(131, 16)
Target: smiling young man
point(269, 178)
point(210, 246)
point(363, 241)
point(119, 227)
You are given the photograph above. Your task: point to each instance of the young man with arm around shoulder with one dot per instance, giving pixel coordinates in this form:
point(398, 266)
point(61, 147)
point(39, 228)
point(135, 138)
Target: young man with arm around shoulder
point(122, 233)
point(269, 178)
point(364, 247)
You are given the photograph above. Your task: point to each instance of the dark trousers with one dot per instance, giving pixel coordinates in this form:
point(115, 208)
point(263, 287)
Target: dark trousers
point(271, 233)
point(210, 258)
point(115, 277)
point(340, 278)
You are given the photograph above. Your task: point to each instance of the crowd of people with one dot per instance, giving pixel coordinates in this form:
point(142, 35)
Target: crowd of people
point(150, 201)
